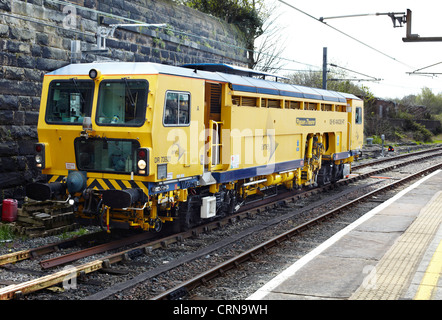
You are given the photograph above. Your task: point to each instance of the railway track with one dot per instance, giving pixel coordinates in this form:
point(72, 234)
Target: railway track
point(220, 270)
point(21, 289)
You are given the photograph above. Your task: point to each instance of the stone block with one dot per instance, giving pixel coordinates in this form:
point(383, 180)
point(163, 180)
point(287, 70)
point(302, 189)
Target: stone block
point(4, 30)
point(13, 73)
point(11, 179)
point(8, 149)
point(42, 39)
point(21, 34)
point(54, 53)
point(6, 117)
point(50, 64)
point(26, 61)
point(31, 118)
point(8, 164)
point(5, 5)
point(8, 102)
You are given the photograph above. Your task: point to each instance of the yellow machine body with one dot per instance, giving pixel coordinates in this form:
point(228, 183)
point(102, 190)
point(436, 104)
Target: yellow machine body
point(140, 144)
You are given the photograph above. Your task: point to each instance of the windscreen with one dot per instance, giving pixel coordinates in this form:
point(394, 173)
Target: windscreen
point(106, 155)
point(122, 102)
point(69, 101)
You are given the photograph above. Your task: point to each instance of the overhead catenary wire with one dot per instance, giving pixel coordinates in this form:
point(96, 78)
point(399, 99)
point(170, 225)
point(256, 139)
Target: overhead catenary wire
point(344, 33)
point(416, 72)
point(362, 74)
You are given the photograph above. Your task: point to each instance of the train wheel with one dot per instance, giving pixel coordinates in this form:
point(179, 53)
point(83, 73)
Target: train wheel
point(158, 224)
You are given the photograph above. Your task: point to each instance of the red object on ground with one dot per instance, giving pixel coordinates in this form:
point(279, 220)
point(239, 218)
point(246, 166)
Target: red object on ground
point(9, 210)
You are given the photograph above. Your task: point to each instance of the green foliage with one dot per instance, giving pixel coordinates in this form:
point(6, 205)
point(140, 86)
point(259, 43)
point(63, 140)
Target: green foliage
point(313, 79)
point(6, 232)
point(377, 140)
point(71, 234)
point(420, 133)
point(426, 98)
point(240, 12)
point(432, 101)
point(398, 135)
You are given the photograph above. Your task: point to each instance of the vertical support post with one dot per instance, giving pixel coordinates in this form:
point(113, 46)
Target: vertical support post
point(408, 35)
point(75, 51)
point(324, 69)
point(107, 218)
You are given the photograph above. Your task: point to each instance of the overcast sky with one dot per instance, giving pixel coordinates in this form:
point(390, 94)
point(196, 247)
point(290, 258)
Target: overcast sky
point(389, 58)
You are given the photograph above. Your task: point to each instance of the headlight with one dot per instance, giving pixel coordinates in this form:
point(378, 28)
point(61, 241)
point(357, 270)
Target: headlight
point(143, 161)
point(142, 164)
point(40, 160)
point(94, 74)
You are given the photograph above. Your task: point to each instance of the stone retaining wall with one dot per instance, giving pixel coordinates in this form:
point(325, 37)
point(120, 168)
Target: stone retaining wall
point(36, 37)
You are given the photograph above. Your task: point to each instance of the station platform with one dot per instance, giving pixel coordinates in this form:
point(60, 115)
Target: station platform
point(394, 252)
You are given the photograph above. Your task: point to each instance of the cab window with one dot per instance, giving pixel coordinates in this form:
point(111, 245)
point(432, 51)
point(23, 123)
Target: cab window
point(122, 102)
point(69, 101)
point(358, 116)
point(177, 109)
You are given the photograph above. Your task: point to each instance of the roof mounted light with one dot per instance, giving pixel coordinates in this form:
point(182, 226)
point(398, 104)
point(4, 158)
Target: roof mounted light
point(94, 74)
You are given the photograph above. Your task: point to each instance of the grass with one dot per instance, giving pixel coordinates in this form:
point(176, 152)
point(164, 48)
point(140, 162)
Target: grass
point(68, 235)
point(6, 232)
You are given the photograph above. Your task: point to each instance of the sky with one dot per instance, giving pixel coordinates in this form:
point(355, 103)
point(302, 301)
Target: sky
point(382, 53)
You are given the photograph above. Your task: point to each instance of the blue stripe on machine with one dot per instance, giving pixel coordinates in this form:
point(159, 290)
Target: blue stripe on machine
point(292, 94)
point(237, 87)
point(227, 176)
point(267, 91)
point(312, 96)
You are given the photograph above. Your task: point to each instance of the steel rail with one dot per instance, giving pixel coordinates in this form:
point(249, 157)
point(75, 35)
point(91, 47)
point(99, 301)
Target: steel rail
point(33, 253)
point(178, 291)
point(398, 157)
point(74, 256)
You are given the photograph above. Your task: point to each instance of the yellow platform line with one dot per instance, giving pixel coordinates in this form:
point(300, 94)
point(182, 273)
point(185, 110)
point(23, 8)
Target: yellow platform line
point(431, 277)
point(397, 266)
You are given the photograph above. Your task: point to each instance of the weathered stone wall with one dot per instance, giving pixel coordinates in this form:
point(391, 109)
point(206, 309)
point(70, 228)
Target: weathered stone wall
point(36, 36)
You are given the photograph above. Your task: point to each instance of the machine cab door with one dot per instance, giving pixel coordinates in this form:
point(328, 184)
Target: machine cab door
point(213, 125)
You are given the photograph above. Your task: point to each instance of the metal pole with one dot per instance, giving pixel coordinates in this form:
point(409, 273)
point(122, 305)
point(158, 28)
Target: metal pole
point(324, 69)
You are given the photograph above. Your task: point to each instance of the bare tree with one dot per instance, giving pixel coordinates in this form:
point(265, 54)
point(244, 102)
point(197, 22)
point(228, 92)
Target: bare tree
point(269, 46)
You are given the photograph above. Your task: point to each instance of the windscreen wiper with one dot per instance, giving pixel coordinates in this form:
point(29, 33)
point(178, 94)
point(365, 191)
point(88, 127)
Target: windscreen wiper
point(78, 89)
point(132, 101)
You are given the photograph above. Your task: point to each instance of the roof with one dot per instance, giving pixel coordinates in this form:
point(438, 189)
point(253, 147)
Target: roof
point(229, 69)
point(239, 82)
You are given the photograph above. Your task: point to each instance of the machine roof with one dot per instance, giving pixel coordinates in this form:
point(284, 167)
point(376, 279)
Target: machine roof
point(238, 80)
